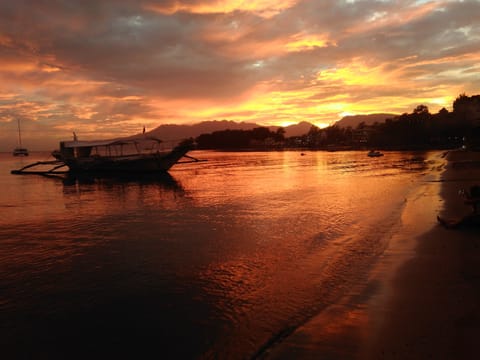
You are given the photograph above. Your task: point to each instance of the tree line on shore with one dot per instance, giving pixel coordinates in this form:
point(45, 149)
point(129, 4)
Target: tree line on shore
point(416, 130)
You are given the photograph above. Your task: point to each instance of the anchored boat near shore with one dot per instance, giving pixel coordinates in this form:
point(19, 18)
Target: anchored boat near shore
point(20, 150)
point(124, 156)
point(374, 153)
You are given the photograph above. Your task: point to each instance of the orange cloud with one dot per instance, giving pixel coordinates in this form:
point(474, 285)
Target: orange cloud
point(264, 8)
point(302, 42)
point(395, 17)
point(109, 69)
point(356, 73)
point(19, 66)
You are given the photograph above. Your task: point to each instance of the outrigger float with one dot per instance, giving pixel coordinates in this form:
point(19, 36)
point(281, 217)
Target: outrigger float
point(124, 156)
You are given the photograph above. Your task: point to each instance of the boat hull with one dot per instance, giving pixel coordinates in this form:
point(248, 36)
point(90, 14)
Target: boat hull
point(145, 163)
point(78, 158)
point(374, 154)
point(20, 152)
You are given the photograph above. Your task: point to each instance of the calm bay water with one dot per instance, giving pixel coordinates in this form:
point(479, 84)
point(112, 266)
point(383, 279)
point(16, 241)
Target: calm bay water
point(217, 260)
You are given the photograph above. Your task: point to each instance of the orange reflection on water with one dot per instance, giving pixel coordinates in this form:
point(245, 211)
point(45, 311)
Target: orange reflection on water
point(261, 241)
point(334, 334)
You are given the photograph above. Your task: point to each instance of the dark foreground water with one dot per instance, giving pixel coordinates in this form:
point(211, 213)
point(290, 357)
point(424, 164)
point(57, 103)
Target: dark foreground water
point(218, 260)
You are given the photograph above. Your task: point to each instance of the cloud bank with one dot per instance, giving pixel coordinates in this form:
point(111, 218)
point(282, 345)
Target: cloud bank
point(108, 68)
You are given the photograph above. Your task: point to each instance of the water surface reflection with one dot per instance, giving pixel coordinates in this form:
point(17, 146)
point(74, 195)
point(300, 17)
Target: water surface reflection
point(215, 260)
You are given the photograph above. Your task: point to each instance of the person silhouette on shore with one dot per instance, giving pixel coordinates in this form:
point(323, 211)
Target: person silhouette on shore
point(472, 197)
point(467, 221)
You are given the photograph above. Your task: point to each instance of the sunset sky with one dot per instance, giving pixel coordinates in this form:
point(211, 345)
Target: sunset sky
point(108, 68)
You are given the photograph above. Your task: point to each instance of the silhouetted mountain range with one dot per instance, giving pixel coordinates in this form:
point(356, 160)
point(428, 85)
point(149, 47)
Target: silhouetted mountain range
point(176, 132)
point(170, 132)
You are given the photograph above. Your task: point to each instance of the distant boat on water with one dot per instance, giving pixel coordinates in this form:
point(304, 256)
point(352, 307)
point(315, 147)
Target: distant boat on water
point(19, 150)
point(374, 153)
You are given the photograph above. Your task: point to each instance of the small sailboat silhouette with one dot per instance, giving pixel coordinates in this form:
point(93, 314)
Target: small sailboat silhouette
point(19, 150)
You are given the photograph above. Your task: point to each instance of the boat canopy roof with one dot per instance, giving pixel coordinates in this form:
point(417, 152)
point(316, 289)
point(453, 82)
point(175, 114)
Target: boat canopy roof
point(96, 143)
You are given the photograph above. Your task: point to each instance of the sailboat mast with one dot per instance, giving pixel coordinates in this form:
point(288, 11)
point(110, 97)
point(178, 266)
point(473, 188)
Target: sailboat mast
point(19, 150)
point(19, 133)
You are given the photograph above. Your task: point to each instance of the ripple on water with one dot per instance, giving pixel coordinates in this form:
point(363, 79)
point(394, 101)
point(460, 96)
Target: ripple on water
point(236, 252)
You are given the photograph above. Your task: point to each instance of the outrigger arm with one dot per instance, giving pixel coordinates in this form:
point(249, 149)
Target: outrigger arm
point(58, 164)
point(192, 160)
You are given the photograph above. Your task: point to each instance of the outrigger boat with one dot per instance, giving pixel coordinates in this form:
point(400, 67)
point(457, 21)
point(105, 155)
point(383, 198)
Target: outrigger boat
point(120, 156)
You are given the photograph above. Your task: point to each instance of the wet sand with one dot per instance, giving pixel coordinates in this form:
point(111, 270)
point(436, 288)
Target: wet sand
point(422, 299)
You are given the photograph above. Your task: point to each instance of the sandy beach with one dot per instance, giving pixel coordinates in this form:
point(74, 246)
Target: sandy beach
point(422, 299)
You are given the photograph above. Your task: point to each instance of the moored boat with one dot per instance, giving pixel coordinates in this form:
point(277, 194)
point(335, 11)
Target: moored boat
point(129, 156)
point(120, 156)
point(374, 153)
point(19, 150)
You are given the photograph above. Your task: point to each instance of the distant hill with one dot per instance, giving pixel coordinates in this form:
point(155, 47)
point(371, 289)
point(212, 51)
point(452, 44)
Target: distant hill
point(170, 132)
point(299, 129)
point(174, 132)
point(370, 119)
point(177, 132)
